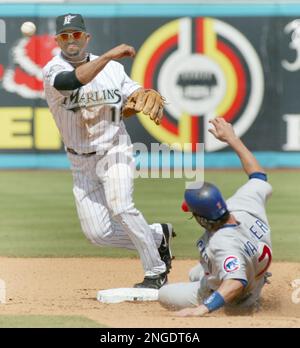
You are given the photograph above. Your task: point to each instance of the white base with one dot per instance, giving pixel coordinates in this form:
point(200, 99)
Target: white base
point(127, 294)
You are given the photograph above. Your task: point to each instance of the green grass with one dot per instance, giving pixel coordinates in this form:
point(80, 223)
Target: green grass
point(38, 216)
point(43, 321)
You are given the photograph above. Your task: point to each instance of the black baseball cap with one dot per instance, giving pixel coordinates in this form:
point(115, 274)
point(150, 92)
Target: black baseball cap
point(69, 21)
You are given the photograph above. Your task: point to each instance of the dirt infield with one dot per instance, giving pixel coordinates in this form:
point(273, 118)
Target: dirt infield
point(57, 286)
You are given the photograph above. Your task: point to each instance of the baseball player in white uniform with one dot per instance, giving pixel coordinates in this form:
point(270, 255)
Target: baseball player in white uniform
point(85, 94)
point(235, 250)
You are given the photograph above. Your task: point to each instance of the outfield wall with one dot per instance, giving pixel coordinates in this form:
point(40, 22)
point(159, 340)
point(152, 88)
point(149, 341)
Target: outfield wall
point(239, 61)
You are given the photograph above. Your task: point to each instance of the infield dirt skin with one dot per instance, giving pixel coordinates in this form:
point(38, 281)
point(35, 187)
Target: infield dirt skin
point(68, 286)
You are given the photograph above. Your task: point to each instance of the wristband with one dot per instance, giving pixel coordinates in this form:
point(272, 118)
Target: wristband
point(214, 301)
point(258, 175)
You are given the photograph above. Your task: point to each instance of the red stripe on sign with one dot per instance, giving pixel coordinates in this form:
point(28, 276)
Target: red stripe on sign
point(149, 75)
point(241, 78)
point(1, 71)
point(199, 37)
point(199, 48)
point(156, 58)
point(167, 124)
point(194, 132)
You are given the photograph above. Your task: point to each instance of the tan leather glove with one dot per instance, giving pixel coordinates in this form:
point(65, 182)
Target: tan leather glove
point(148, 101)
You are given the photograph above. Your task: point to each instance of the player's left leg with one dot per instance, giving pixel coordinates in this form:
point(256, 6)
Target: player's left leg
point(116, 172)
point(183, 295)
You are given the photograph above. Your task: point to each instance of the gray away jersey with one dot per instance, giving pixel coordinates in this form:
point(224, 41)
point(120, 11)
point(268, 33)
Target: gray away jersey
point(244, 251)
point(88, 118)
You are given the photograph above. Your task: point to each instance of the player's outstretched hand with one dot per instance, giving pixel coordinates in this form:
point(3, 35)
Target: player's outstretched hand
point(192, 312)
point(222, 130)
point(121, 51)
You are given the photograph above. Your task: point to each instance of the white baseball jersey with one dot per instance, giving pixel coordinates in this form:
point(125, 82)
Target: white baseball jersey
point(240, 251)
point(88, 117)
point(88, 120)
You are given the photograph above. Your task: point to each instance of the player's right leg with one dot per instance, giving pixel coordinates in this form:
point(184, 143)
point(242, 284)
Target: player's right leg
point(116, 173)
point(123, 226)
point(96, 221)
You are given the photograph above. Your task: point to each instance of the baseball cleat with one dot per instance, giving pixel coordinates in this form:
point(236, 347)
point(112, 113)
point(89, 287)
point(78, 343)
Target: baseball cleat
point(153, 282)
point(165, 247)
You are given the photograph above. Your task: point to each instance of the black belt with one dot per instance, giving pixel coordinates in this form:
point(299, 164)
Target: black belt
point(73, 152)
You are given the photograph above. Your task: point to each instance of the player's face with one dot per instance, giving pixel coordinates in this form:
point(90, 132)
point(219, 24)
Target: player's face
point(73, 43)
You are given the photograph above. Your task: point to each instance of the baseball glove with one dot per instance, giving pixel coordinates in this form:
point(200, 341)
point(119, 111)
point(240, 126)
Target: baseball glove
point(148, 101)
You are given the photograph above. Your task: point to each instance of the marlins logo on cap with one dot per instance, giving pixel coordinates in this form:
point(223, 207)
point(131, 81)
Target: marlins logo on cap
point(68, 21)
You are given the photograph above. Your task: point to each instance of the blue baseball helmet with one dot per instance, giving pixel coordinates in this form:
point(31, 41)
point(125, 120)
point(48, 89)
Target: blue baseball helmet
point(205, 200)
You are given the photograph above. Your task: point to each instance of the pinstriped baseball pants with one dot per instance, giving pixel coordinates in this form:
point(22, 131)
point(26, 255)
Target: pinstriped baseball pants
point(103, 188)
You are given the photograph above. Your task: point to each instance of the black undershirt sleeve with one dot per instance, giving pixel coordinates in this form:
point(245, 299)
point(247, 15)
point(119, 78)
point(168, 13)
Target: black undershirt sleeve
point(67, 81)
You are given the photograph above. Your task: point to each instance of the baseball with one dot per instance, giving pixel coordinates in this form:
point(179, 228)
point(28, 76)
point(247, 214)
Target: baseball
point(28, 28)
